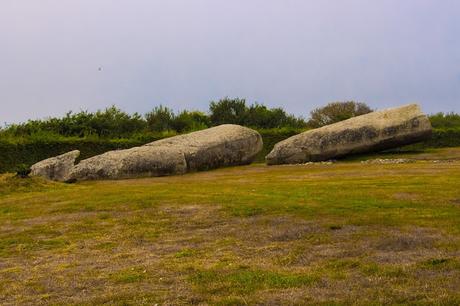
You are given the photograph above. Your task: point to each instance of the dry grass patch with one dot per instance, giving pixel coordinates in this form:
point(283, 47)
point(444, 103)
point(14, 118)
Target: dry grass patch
point(345, 233)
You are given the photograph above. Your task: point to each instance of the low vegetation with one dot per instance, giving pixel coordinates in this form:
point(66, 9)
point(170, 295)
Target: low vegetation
point(110, 129)
point(336, 112)
point(115, 123)
point(342, 233)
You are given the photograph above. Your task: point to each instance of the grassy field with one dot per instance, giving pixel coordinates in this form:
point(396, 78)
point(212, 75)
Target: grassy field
point(345, 233)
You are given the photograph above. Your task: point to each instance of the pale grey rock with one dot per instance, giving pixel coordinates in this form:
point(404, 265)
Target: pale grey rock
point(134, 162)
point(375, 131)
point(55, 168)
point(224, 145)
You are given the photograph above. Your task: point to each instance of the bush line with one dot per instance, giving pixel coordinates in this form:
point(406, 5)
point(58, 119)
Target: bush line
point(15, 154)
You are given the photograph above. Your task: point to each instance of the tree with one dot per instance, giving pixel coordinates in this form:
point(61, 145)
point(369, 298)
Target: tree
point(113, 122)
point(335, 112)
point(160, 119)
point(256, 115)
point(227, 111)
point(448, 120)
point(190, 121)
point(259, 116)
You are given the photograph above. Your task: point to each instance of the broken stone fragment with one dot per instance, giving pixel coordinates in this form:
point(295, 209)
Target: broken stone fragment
point(375, 131)
point(56, 168)
point(220, 146)
point(134, 162)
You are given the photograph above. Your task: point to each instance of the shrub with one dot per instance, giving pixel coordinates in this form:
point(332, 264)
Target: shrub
point(259, 116)
point(23, 171)
point(227, 111)
point(111, 122)
point(160, 119)
point(335, 112)
point(256, 115)
point(114, 123)
point(190, 121)
point(445, 121)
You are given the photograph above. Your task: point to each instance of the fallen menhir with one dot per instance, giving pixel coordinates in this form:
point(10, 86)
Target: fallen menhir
point(224, 145)
point(375, 131)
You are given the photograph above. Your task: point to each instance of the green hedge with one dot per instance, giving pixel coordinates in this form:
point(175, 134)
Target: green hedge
point(444, 138)
point(13, 155)
point(28, 152)
point(271, 137)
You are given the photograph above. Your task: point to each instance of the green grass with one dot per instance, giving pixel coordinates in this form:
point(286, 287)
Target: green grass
point(245, 281)
point(128, 276)
point(346, 233)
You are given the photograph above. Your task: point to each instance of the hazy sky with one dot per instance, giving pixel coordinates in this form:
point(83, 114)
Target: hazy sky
point(182, 54)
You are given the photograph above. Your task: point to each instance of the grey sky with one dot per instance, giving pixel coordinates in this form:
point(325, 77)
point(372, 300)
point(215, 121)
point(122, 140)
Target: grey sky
point(295, 54)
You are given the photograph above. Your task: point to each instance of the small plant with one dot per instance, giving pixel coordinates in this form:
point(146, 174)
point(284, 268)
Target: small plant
point(23, 171)
point(436, 262)
point(132, 275)
point(185, 253)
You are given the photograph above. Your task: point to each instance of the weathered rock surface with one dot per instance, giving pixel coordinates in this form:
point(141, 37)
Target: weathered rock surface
point(375, 131)
point(134, 162)
point(224, 145)
point(56, 168)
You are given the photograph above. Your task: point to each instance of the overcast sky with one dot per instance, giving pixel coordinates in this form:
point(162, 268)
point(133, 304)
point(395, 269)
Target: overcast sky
point(60, 55)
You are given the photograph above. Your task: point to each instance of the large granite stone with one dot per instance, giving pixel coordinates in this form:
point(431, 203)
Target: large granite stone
point(375, 131)
point(224, 145)
point(55, 168)
point(134, 162)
